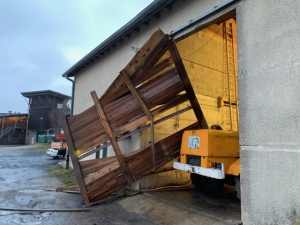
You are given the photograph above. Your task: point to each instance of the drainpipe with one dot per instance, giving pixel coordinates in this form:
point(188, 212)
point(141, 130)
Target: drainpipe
point(71, 113)
point(2, 126)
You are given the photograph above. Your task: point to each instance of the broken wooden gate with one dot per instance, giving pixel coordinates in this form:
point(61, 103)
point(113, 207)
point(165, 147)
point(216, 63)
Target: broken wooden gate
point(149, 85)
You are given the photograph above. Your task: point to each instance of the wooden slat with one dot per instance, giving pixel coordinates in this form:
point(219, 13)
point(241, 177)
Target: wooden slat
point(96, 184)
point(87, 163)
point(102, 172)
point(82, 119)
point(148, 51)
point(160, 50)
point(107, 186)
point(153, 71)
point(113, 141)
point(77, 169)
point(70, 187)
point(187, 84)
point(98, 166)
point(137, 62)
point(108, 191)
point(136, 95)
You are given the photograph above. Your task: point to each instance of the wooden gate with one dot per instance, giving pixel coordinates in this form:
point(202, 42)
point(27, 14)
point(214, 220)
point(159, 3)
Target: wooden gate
point(154, 81)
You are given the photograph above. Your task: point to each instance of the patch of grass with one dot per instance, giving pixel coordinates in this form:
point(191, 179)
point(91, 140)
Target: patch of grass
point(40, 146)
point(65, 175)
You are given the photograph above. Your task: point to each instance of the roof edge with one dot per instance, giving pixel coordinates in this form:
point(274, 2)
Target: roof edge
point(143, 17)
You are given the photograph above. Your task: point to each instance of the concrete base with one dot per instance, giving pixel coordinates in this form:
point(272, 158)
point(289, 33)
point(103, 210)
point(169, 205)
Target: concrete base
point(169, 178)
point(161, 212)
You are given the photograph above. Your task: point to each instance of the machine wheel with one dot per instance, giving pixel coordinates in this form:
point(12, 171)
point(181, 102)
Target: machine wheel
point(197, 181)
point(206, 184)
point(237, 187)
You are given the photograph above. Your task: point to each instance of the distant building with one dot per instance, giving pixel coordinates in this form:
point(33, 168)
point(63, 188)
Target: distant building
point(43, 112)
point(13, 128)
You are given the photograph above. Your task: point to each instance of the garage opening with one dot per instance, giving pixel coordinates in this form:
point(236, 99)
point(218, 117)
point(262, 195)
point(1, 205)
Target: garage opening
point(210, 59)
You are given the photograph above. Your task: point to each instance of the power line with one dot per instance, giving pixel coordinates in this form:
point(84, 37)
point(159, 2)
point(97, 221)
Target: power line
point(205, 43)
point(205, 66)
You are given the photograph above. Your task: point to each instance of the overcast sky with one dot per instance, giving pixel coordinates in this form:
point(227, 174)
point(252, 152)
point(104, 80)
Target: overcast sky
point(41, 39)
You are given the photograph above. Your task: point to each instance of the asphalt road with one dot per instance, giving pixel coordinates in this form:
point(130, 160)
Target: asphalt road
point(24, 179)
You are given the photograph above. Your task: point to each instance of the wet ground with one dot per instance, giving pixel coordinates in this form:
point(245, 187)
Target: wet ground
point(24, 180)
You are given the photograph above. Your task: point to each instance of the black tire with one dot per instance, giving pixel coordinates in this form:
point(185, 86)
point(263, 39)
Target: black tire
point(237, 187)
point(197, 181)
point(207, 184)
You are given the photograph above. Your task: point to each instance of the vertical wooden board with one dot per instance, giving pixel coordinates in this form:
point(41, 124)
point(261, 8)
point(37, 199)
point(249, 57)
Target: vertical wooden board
point(113, 141)
point(135, 93)
point(187, 84)
point(77, 169)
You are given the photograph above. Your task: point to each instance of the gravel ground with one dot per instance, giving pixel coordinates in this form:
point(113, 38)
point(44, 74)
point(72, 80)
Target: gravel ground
point(23, 180)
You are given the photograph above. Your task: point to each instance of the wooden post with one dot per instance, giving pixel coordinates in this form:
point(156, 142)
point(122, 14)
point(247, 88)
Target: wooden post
point(112, 139)
point(135, 94)
point(144, 107)
point(187, 84)
point(77, 169)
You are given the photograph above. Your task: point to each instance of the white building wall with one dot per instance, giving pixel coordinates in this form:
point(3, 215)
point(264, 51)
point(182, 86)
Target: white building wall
point(269, 67)
point(102, 73)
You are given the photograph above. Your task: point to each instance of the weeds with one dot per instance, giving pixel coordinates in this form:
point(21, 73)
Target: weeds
point(65, 175)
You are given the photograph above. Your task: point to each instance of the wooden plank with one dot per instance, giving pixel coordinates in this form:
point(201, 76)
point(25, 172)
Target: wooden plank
point(153, 71)
point(187, 84)
point(113, 141)
point(151, 60)
point(88, 142)
point(104, 179)
point(77, 169)
point(147, 52)
point(98, 166)
point(109, 191)
point(82, 119)
point(107, 186)
point(102, 172)
point(135, 93)
point(137, 62)
point(87, 163)
point(126, 104)
point(70, 187)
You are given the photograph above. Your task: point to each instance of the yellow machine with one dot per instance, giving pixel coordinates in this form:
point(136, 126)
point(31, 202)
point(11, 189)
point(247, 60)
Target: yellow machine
point(212, 158)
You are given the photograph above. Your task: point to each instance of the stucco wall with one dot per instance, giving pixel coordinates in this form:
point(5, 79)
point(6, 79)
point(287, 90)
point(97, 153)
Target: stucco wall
point(269, 56)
